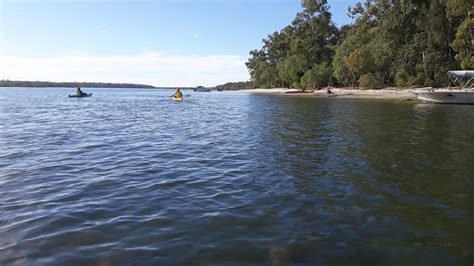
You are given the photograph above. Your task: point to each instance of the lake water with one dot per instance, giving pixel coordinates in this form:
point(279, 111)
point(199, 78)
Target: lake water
point(129, 177)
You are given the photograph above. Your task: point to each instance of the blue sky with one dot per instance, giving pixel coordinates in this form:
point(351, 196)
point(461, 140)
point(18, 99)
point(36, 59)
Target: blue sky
point(162, 42)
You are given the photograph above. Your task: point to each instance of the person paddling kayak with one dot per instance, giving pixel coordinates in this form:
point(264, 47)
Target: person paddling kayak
point(79, 92)
point(177, 94)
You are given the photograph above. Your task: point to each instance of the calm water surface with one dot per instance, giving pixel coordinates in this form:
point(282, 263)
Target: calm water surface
point(129, 177)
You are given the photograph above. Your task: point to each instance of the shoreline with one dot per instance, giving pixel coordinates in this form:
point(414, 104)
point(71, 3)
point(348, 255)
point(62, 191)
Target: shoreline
point(391, 93)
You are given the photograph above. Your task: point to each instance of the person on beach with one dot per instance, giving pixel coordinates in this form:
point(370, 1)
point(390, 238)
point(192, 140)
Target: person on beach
point(177, 94)
point(79, 92)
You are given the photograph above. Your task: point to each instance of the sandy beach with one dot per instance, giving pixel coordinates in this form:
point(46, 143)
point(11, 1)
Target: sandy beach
point(391, 93)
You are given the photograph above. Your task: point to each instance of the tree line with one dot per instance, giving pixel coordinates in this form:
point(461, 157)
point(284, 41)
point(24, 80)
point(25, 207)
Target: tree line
point(391, 42)
point(42, 84)
point(241, 85)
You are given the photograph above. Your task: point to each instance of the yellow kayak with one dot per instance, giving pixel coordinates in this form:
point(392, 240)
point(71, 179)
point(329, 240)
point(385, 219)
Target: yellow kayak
point(178, 99)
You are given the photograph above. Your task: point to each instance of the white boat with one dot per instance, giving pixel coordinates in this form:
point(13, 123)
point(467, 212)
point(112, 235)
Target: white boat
point(462, 81)
point(293, 91)
point(458, 97)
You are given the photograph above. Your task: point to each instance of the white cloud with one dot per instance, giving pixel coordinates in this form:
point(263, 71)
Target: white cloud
point(195, 35)
point(149, 68)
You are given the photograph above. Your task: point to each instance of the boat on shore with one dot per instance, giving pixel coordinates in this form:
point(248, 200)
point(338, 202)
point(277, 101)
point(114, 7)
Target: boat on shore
point(201, 89)
point(459, 90)
point(298, 91)
point(293, 91)
point(455, 97)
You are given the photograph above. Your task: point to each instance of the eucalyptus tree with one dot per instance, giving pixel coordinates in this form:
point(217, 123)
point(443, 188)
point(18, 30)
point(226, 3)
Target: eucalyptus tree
point(410, 42)
point(402, 42)
point(306, 45)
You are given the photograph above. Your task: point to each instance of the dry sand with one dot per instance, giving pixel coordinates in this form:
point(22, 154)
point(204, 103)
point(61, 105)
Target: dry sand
point(386, 93)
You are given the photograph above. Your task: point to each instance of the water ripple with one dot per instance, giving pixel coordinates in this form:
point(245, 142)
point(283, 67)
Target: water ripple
point(130, 177)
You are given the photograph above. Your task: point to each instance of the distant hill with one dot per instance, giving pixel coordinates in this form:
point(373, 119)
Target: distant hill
point(242, 85)
point(17, 83)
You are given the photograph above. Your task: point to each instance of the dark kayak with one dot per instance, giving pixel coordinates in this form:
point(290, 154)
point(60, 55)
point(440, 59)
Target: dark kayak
point(84, 95)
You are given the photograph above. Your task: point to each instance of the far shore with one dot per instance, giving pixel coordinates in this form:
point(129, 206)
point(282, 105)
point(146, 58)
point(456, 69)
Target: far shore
point(391, 93)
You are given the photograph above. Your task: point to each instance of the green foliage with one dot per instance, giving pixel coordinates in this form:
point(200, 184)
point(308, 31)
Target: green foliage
point(296, 85)
point(463, 43)
point(43, 84)
point(458, 8)
point(402, 78)
point(288, 54)
point(351, 56)
point(309, 78)
point(392, 42)
point(243, 85)
point(368, 81)
point(291, 69)
point(359, 60)
point(269, 76)
point(318, 76)
point(398, 42)
point(342, 72)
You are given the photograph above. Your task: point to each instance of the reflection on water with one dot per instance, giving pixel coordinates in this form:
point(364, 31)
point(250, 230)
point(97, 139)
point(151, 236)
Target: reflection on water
point(131, 177)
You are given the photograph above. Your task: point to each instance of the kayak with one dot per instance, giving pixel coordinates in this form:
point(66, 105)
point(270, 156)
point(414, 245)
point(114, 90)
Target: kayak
point(178, 99)
point(77, 96)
